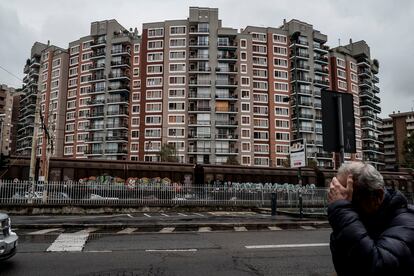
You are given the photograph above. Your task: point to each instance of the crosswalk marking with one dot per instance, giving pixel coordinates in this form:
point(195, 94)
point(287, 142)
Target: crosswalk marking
point(274, 228)
point(148, 216)
point(307, 227)
point(183, 215)
point(127, 231)
point(44, 231)
point(167, 230)
point(198, 214)
point(240, 228)
point(71, 242)
point(204, 229)
point(165, 215)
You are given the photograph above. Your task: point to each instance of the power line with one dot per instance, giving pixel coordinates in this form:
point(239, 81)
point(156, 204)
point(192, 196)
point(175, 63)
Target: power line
point(11, 73)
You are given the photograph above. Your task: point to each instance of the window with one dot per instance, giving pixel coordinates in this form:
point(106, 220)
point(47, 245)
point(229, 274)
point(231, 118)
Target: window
point(260, 37)
point(281, 86)
point(340, 62)
point(176, 132)
point(281, 111)
point(68, 150)
point(154, 94)
point(245, 107)
point(153, 107)
point(245, 120)
point(155, 44)
point(176, 93)
point(55, 73)
point(154, 81)
point(74, 60)
point(260, 85)
point(176, 119)
point(261, 49)
point(353, 66)
point(74, 50)
point(245, 81)
point(152, 133)
point(279, 38)
point(243, 68)
point(245, 146)
point(177, 30)
point(177, 67)
point(246, 160)
point(342, 85)
point(154, 69)
point(282, 136)
point(341, 74)
point(261, 135)
point(281, 99)
point(282, 149)
point(261, 148)
point(71, 93)
point(354, 77)
point(86, 56)
point(134, 147)
point(135, 121)
point(281, 51)
point(86, 45)
point(281, 74)
point(261, 123)
point(243, 43)
point(176, 106)
point(281, 62)
point(135, 134)
point(153, 120)
point(84, 67)
point(177, 80)
point(177, 55)
point(85, 90)
point(243, 56)
point(86, 78)
point(136, 48)
point(177, 42)
point(56, 62)
point(260, 98)
point(282, 123)
point(156, 32)
point(261, 61)
point(245, 133)
point(261, 161)
point(245, 94)
point(153, 57)
point(260, 73)
point(71, 104)
point(260, 110)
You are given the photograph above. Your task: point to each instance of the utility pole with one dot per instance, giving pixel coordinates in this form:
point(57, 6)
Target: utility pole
point(32, 172)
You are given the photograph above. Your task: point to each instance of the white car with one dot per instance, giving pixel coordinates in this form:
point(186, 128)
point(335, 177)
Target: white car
point(8, 239)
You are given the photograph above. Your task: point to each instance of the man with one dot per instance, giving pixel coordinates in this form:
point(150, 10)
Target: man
point(373, 228)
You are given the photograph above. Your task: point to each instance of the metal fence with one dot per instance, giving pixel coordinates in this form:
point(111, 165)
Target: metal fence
point(288, 197)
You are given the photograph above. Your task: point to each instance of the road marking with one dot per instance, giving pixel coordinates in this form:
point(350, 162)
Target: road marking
point(165, 215)
point(240, 229)
point(198, 214)
point(97, 251)
point(274, 228)
point(127, 231)
point(44, 231)
point(167, 230)
point(148, 216)
point(204, 229)
point(88, 230)
point(307, 227)
point(129, 215)
point(171, 250)
point(70, 242)
point(286, 245)
point(183, 215)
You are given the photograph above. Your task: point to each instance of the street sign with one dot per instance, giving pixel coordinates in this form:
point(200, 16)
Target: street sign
point(331, 122)
point(298, 153)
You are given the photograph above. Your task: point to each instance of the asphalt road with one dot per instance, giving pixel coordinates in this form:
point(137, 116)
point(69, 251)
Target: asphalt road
point(94, 251)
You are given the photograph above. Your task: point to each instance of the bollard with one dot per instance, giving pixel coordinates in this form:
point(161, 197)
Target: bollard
point(274, 204)
point(300, 206)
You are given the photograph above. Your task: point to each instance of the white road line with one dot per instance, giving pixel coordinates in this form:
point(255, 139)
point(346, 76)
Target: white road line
point(274, 228)
point(198, 214)
point(171, 250)
point(127, 231)
point(69, 242)
point(183, 215)
point(167, 230)
point(97, 251)
point(286, 245)
point(240, 229)
point(307, 227)
point(148, 216)
point(165, 215)
point(204, 229)
point(129, 215)
point(44, 231)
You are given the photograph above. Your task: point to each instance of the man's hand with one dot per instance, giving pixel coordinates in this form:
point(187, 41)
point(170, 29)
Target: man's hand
point(338, 192)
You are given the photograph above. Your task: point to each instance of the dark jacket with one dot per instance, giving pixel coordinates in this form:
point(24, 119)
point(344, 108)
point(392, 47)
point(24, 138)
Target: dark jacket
point(382, 244)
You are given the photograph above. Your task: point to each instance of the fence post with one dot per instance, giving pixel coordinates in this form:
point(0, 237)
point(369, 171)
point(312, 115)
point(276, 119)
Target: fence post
point(274, 204)
point(300, 205)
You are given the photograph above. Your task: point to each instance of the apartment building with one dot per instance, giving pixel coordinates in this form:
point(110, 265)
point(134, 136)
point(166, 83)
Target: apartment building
point(369, 101)
point(344, 75)
point(99, 90)
point(395, 131)
point(6, 118)
point(28, 101)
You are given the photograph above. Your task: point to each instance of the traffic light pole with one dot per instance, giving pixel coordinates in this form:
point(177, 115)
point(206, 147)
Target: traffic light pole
point(341, 131)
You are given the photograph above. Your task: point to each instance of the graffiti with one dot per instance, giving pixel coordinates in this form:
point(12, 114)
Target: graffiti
point(130, 183)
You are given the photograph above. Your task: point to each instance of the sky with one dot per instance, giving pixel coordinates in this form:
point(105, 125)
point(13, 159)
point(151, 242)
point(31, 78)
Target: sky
point(385, 25)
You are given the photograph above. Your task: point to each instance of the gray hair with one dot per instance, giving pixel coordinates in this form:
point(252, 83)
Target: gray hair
point(367, 177)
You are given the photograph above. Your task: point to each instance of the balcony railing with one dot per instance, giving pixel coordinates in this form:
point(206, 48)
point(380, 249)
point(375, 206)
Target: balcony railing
point(226, 123)
point(227, 136)
point(226, 82)
point(199, 108)
point(226, 109)
point(227, 150)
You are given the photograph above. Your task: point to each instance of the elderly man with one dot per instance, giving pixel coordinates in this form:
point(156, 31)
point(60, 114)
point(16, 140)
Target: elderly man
point(373, 228)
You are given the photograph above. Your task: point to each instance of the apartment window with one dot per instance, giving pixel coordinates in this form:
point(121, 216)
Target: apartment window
point(261, 148)
point(74, 60)
point(135, 134)
point(282, 136)
point(340, 62)
point(136, 60)
point(83, 125)
point(152, 133)
point(155, 44)
point(260, 37)
point(153, 69)
point(261, 123)
point(353, 66)
point(281, 98)
point(260, 110)
point(68, 150)
point(245, 120)
point(70, 115)
point(281, 86)
point(71, 93)
point(260, 85)
point(243, 56)
point(245, 133)
point(354, 77)
point(246, 160)
point(135, 121)
point(134, 147)
point(177, 42)
point(281, 111)
point(85, 90)
point(342, 84)
point(281, 51)
point(152, 146)
point(245, 146)
point(83, 113)
point(86, 45)
point(245, 107)
point(56, 62)
point(177, 67)
point(153, 120)
point(178, 145)
point(153, 57)
point(354, 88)
point(156, 32)
point(70, 127)
point(261, 61)
point(86, 78)
point(282, 124)
point(279, 38)
point(177, 30)
point(282, 149)
point(243, 43)
point(341, 74)
point(84, 101)
point(135, 108)
point(281, 62)
point(136, 70)
point(177, 55)
point(245, 94)
point(136, 84)
point(260, 73)
point(71, 104)
point(176, 132)
point(74, 50)
point(82, 137)
point(86, 56)
point(153, 107)
point(176, 119)
point(177, 80)
point(245, 81)
point(176, 106)
point(261, 135)
point(260, 49)
point(54, 84)
point(281, 74)
point(56, 73)
point(154, 81)
point(260, 98)
point(154, 94)
point(176, 93)
point(84, 67)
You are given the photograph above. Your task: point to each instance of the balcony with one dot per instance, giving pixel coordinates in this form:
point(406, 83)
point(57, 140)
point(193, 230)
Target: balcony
point(116, 151)
point(321, 82)
point(226, 97)
point(116, 138)
point(306, 129)
point(120, 63)
point(96, 114)
point(375, 89)
point(375, 79)
point(230, 109)
point(195, 30)
point(222, 70)
point(198, 44)
point(301, 79)
point(195, 82)
point(304, 91)
point(199, 122)
point(226, 151)
point(226, 83)
point(199, 70)
point(320, 48)
point(97, 78)
point(97, 90)
point(195, 95)
point(94, 151)
point(120, 88)
point(120, 100)
point(96, 102)
point(197, 150)
point(122, 51)
point(226, 45)
point(302, 67)
point(98, 43)
point(198, 57)
point(199, 136)
point(95, 67)
point(227, 136)
point(306, 116)
point(227, 57)
point(119, 125)
point(199, 109)
point(300, 55)
point(117, 113)
point(118, 76)
point(324, 155)
point(93, 139)
point(321, 59)
point(365, 83)
point(367, 136)
point(226, 123)
point(364, 73)
point(98, 54)
point(322, 71)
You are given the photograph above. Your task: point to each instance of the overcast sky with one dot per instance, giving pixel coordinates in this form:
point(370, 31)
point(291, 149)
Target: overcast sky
point(385, 25)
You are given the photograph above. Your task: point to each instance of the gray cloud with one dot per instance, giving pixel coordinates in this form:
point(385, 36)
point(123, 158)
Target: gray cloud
point(383, 24)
